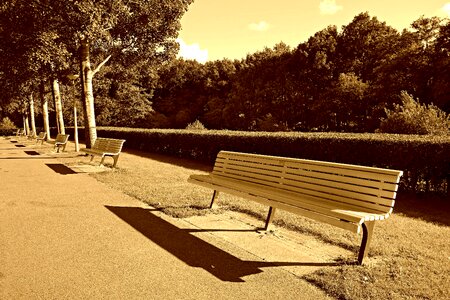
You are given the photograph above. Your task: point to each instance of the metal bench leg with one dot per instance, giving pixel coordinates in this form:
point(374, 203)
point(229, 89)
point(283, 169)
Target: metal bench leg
point(269, 217)
point(103, 159)
point(215, 194)
point(116, 158)
point(366, 239)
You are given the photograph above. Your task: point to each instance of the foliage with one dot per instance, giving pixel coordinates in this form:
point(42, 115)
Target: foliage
point(197, 125)
point(6, 123)
point(412, 117)
point(335, 81)
point(339, 80)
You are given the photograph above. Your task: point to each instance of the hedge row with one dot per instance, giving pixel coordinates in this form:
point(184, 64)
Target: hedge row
point(425, 160)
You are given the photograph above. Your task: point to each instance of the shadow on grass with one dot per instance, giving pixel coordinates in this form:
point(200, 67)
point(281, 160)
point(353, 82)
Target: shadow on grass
point(429, 208)
point(194, 251)
point(177, 161)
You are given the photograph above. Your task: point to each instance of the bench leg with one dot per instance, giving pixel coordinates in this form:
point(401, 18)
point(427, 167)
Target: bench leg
point(215, 194)
point(270, 216)
point(116, 158)
point(366, 239)
point(103, 159)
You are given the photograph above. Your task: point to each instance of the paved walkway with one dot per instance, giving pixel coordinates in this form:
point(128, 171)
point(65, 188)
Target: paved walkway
point(64, 235)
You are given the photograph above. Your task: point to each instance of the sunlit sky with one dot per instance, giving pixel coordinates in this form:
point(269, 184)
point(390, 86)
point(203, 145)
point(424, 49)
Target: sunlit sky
point(215, 29)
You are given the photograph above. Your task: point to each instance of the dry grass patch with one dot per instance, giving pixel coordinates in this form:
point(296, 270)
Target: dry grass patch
point(409, 257)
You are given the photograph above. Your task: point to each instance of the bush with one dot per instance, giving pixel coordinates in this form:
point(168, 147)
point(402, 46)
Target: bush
point(197, 125)
point(6, 123)
point(411, 117)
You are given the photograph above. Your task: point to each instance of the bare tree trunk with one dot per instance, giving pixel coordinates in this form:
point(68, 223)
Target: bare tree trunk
point(58, 107)
point(87, 95)
point(45, 110)
point(33, 121)
point(27, 124)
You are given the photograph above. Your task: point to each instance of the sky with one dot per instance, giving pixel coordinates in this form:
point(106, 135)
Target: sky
point(216, 29)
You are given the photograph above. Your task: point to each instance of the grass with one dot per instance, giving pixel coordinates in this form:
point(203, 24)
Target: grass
point(409, 257)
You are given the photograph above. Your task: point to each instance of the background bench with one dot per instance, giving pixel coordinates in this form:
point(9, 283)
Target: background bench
point(105, 147)
point(61, 141)
point(41, 137)
point(347, 196)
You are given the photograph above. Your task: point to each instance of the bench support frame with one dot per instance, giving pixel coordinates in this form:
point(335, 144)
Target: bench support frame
point(214, 197)
point(269, 218)
point(366, 239)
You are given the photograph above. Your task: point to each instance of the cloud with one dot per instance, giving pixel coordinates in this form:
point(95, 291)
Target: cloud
point(329, 7)
point(192, 51)
point(445, 10)
point(261, 26)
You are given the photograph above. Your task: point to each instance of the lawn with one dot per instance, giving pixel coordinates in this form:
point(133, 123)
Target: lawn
point(409, 257)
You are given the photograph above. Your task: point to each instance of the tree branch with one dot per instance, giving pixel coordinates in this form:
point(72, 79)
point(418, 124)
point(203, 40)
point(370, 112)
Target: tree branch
point(100, 65)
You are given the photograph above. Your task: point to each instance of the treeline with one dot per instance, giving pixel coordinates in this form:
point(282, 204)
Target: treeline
point(338, 80)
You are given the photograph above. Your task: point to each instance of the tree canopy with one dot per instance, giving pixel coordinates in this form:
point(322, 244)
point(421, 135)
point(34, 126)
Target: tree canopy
point(338, 80)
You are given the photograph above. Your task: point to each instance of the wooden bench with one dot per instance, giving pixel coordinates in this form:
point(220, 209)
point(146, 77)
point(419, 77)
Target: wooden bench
point(347, 196)
point(41, 137)
point(105, 147)
point(61, 141)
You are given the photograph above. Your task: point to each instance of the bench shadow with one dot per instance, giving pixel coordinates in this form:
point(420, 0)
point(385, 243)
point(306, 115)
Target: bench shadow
point(32, 153)
point(194, 251)
point(61, 169)
point(173, 160)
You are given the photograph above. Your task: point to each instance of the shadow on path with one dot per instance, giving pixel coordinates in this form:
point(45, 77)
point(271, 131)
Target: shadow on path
point(194, 251)
point(61, 169)
point(32, 153)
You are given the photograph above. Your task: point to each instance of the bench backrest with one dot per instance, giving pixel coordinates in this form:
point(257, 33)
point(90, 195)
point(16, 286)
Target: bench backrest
point(62, 138)
point(351, 186)
point(113, 146)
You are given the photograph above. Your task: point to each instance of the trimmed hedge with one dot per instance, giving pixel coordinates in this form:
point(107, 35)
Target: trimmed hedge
point(8, 131)
point(425, 160)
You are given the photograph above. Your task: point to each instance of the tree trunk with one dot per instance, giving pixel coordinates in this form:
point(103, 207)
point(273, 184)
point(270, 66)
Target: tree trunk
point(75, 123)
point(58, 107)
point(45, 110)
point(33, 121)
point(27, 124)
point(90, 130)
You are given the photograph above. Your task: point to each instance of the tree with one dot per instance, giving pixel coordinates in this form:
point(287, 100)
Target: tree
point(145, 30)
point(412, 117)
